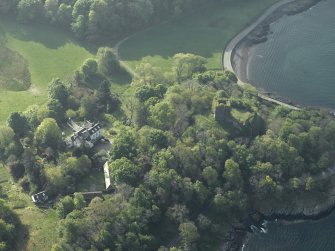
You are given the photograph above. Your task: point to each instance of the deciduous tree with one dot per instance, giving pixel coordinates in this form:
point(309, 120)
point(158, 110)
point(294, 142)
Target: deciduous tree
point(18, 122)
point(48, 134)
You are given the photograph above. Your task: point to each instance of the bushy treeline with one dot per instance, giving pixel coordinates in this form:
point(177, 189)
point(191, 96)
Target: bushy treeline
point(192, 152)
point(99, 19)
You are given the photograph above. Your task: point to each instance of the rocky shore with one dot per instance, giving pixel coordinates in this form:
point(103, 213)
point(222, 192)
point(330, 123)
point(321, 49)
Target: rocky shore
point(304, 206)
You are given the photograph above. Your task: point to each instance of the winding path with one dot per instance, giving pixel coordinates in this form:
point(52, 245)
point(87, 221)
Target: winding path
point(118, 57)
point(116, 48)
point(228, 51)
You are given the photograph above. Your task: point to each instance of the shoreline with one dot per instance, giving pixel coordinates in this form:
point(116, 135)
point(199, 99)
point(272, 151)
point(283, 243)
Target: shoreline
point(300, 209)
point(235, 56)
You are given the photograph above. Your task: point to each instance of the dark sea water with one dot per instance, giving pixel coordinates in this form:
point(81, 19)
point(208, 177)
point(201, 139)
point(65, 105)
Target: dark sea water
point(298, 63)
point(305, 236)
point(298, 60)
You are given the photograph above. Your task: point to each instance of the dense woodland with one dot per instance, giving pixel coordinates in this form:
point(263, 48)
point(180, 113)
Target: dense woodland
point(98, 19)
point(192, 152)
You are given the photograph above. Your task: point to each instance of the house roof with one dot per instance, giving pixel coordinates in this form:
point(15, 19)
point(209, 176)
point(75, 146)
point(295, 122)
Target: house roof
point(94, 129)
point(84, 134)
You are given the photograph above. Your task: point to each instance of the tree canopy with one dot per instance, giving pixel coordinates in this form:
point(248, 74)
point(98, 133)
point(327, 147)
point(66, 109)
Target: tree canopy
point(98, 19)
point(191, 153)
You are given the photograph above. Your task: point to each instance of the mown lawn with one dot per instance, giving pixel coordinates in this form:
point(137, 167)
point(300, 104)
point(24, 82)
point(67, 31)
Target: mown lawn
point(204, 32)
point(50, 53)
point(17, 101)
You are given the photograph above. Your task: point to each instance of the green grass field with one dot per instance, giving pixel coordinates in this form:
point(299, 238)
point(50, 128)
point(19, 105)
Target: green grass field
point(41, 223)
point(49, 52)
point(204, 32)
point(14, 72)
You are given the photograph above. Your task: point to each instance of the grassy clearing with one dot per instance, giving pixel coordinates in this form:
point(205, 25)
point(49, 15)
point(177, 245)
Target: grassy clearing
point(41, 223)
point(94, 182)
point(17, 101)
point(42, 227)
point(204, 32)
point(209, 123)
point(49, 52)
point(120, 83)
point(240, 115)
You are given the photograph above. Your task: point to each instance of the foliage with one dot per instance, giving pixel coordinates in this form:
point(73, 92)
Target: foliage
point(107, 61)
point(18, 123)
point(124, 145)
point(187, 64)
point(178, 173)
point(9, 225)
point(189, 235)
point(89, 107)
point(58, 91)
point(124, 171)
point(65, 206)
point(54, 109)
point(172, 165)
point(48, 134)
point(105, 99)
point(177, 168)
point(6, 140)
point(29, 10)
point(89, 69)
point(97, 19)
point(143, 93)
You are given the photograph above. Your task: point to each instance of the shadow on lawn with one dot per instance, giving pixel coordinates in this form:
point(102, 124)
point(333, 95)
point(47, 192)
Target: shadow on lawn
point(51, 37)
point(22, 237)
point(200, 32)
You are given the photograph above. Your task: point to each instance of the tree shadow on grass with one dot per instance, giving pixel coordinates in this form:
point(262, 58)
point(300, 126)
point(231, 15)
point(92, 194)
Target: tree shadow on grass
point(51, 37)
point(198, 32)
point(121, 78)
point(22, 238)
